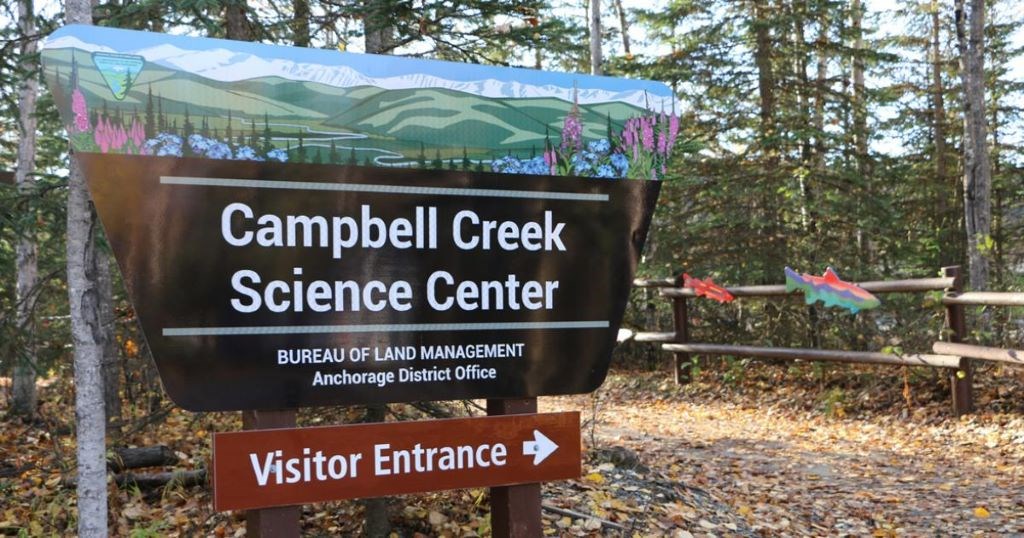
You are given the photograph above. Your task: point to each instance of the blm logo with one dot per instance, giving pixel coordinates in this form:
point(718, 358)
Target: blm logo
point(119, 71)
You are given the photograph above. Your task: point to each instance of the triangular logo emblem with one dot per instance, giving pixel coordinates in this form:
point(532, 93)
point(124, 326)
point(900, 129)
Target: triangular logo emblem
point(119, 71)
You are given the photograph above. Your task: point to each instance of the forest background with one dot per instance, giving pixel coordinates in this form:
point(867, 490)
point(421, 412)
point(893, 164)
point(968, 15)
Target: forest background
point(817, 132)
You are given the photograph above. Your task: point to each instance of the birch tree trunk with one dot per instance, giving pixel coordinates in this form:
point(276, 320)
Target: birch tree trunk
point(624, 26)
point(595, 37)
point(970, 28)
point(87, 334)
point(111, 363)
point(24, 376)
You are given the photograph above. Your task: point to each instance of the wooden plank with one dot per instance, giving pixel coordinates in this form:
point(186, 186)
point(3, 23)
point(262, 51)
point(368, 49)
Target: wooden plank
point(681, 322)
point(515, 510)
point(870, 357)
point(961, 381)
point(993, 298)
point(654, 337)
point(1012, 356)
point(281, 521)
point(774, 290)
point(120, 459)
point(738, 291)
point(654, 282)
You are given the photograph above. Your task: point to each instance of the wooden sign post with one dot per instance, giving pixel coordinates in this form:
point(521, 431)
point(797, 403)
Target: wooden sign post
point(515, 510)
point(278, 521)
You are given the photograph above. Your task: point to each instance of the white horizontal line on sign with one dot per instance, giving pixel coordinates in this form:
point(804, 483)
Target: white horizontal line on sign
point(381, 189)
point(408, 327)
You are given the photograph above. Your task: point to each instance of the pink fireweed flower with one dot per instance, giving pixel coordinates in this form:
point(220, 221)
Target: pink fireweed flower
point(137, 134)
point(120, 137)
point(630, 133)
point(647, 133)
point(80, 110)
point(572, 132)
point(109, 137)
point(551, 159)
point(102, 135)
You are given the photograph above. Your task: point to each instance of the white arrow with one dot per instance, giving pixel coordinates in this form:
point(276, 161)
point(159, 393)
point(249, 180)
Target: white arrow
point(540, 448)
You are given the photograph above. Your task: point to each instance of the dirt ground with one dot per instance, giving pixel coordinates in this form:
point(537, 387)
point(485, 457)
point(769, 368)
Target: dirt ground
point(753, 459)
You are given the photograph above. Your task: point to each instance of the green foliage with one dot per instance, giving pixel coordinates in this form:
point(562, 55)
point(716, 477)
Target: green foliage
point(797, 167)
point(155, 529)
point(834, 403)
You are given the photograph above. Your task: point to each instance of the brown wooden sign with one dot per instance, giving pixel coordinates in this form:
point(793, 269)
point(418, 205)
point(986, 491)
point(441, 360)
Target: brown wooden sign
point(264, 468)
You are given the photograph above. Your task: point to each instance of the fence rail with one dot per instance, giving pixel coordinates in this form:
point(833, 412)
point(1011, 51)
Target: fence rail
point(654, 282)
point(830, 355)
point(1012, 356)
point(882, 286)
point(990, 298)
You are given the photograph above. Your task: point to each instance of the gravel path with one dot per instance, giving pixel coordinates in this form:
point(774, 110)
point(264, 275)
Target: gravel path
point(767, 467)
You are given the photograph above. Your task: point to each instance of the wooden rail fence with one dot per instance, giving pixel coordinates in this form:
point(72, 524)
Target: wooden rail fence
point(954, 355)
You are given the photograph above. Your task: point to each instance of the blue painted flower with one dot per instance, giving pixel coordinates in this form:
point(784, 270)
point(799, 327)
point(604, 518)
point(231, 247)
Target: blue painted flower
point(218, 150)
point(245, 153)
point(199, 143)
point(164, 145)
point(599, 146)
point(536, 166)
point(606, 171)
point(620, 162)
point(278, 154)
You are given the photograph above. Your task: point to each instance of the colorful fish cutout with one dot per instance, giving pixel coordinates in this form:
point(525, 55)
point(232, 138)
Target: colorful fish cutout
point(830, 290)
point(707, 288)
point(119, 71)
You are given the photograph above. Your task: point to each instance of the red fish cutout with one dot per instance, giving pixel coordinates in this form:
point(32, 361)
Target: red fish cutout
point(707, 288)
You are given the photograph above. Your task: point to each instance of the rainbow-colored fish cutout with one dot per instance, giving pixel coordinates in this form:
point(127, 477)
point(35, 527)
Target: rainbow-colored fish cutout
point(830, 290)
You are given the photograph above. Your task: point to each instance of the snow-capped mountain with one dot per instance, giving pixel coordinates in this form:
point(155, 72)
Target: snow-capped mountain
point(229, 66)
point(71, 42)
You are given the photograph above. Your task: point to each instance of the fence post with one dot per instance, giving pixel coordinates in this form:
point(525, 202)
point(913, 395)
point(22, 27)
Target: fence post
point(280, 521)
point(515, 510)
point(962, 380)
point(681, 325)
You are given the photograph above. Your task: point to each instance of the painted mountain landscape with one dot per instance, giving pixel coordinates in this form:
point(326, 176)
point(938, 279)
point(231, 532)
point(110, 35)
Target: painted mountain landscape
point(153, 94)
